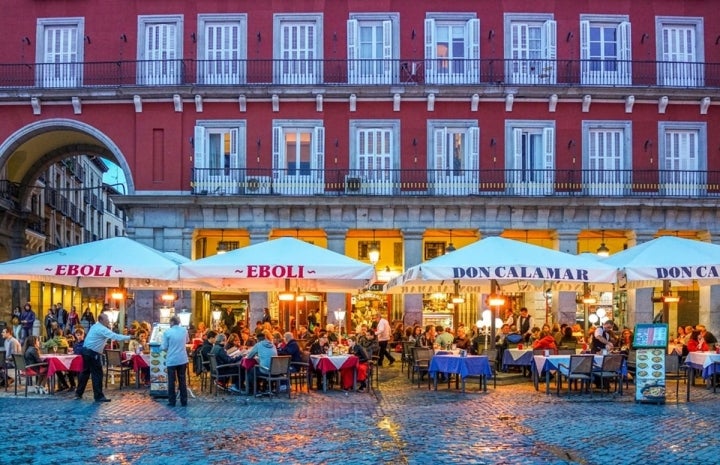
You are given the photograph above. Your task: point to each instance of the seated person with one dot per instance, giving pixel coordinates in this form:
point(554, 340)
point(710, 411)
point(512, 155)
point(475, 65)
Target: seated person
point(461, 341)
point(346, 374)
point(58, 342)
point(695, 344)
point(443, 339)
point(263, 351)
point(32, 356)
point(222, 358)
point(77, 350)
point(368, 340)
point(246, 339)
point(291, 348)
point(320, 346)
point(546, 341)
point(140, 343)
point(567, 339)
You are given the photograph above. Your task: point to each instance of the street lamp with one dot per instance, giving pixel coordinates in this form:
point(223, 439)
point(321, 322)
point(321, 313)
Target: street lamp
point(340, 317)
point(184, 316)
point(216, 317)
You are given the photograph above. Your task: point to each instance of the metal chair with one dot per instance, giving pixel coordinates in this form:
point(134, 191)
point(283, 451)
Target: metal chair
point(115, 364)
point(406, 357)
point(674, 370)
point(300, 372)
point(421, 363)
point(609, 370)
point(579, 369)
point(277, 372)
point(216, 376)
point(201, 367)
point(26, 372)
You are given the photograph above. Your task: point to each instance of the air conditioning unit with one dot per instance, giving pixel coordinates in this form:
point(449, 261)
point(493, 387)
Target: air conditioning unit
point(353, 185)
point(257, 185)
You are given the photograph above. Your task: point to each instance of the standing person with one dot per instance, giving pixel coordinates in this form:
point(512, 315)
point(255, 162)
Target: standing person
point(602, 338)
point(87, 319)
point(266, 318)
point(61, 315)
point(525, 324)
point(383, 335)
point(173, 342)
point(12, 346)
point(92, 351)
point(27, 318)
point(73, 319)
point(51, 322)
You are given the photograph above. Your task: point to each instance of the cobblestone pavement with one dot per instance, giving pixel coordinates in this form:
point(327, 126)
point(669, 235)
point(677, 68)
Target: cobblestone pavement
point(398, 424)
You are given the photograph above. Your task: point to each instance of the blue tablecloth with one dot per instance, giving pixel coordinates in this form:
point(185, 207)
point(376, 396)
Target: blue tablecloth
point(472, 365)
point(517, 357)
point(704, 361)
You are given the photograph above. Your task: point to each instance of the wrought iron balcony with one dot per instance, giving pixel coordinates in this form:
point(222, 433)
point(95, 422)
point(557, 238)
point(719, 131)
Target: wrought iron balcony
point(409, 71)
point(455, 183)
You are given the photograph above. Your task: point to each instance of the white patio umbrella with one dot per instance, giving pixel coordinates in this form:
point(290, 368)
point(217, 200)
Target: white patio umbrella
point(668, 258)
point(280, 264)
point(115, 262)
point(506, 261)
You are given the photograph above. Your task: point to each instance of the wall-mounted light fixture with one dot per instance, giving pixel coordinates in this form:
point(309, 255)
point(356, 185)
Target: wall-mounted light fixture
point(412, 34)
point(193, 36)
point(87, 39)
point(123, 37)
point(26, 39)
point(259, 37)
point(569, 36)
point(643, 37)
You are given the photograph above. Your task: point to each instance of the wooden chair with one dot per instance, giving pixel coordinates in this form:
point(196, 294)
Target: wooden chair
point(26, 372)
point(278, 371)
point(579, 369)
point(115, 364)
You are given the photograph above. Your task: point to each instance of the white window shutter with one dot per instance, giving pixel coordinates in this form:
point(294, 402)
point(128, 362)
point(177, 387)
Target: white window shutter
point(200, 158)
point(234, 159)
point(387, 51)
point(548, 148)
point(278, 148)
point(430, 51)
point(440, 144)
point(474, 150)
point(584, 40)
point(550, 39)
point(352, 34)
point(624, 52)
point(472, 32)
point(319, 152)
point(517, 148)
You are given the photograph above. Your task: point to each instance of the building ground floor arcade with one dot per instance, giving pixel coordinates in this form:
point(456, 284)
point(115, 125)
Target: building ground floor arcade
point(407, 232)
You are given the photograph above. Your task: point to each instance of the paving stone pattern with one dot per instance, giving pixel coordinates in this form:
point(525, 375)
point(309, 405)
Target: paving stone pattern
point(398, 424)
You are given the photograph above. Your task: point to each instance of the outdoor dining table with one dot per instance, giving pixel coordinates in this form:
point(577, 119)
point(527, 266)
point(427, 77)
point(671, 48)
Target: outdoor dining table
point(708, 363)
point(550, 363)
point(517, 357)
point(138, 361)
point(463, 366)
point(61, 362)
point(328, 363)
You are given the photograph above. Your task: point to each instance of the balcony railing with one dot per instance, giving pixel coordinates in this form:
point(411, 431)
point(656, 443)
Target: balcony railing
point(415, 71)
point(455, 183)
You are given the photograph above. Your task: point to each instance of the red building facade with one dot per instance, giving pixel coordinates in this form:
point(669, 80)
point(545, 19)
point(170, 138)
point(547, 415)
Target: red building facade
point(415, 125)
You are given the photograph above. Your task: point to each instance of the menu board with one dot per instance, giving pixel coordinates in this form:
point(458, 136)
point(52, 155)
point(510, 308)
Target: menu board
point(650, 375)
point(158, 371)
point(650, 335)
point(157, 330)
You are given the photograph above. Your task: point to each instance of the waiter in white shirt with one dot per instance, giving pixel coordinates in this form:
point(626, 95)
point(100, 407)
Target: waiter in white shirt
point(383, 334)
point(93, 348)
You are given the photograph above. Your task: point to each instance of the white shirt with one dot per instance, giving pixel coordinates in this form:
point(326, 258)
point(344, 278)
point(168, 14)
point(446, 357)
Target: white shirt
point(383, 330)
point(173, 341)
point(98, 335)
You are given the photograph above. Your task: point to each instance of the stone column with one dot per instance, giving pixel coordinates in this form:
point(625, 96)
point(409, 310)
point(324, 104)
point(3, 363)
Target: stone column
point(565, 307)
point(709, 311)
point(337, 300)
point(413, 255)
point(640, 306)
point(258, 300)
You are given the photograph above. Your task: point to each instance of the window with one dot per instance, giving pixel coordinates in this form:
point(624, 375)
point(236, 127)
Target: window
point(607, 163)
point(452, 48)
point(605, 50)
point(454, 160)
point(680, 51)
point(682, 158)
point(60, 52)
point(298, 157)
point(160, 50)
point(530, 48)
point(434, 249)
point(372, 48)
point(222, 49)
point(374, 155)
point(530, 156)
point(297, 48)
point(219, 160)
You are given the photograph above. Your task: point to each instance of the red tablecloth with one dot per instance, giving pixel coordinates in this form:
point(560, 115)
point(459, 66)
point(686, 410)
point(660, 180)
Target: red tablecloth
point(324, 364)
point(63, 363)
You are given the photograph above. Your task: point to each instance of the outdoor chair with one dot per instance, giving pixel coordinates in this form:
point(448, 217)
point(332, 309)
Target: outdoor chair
point(630, 366)
point(406, 357)
point(421, 363)
point(374, 371)
point(675, 371)
point(609, 370)
point(492, 355)
point(201, 367)
point(579, 369)
point(566, 351)
point(300, 373)
point(26, 372)
point(277, 372)
point(217, 377)
point(115, 364)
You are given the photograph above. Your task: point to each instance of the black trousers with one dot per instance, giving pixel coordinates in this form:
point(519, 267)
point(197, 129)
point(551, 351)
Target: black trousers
point(384, 353)
point(92, 368)
point(179, 373)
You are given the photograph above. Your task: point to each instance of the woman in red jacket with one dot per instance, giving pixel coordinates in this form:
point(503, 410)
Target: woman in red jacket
point(694, 344)
point(545, 342)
